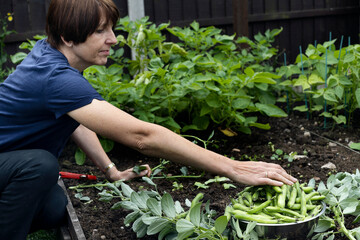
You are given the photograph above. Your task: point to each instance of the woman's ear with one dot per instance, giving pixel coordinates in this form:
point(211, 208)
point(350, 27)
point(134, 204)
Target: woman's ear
point(67, 43)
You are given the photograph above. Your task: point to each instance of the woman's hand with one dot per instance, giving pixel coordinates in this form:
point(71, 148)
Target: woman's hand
point(259, 173)
point(114, 175)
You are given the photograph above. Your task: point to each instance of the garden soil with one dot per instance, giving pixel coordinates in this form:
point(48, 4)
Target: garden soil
point(322, 151)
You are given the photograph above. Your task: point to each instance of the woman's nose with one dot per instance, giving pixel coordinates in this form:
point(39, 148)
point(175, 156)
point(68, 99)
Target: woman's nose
point(112, 40)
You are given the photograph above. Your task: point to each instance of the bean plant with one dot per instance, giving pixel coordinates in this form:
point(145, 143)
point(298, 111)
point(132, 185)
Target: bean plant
point(342, 200)
point(328, 80)
point(154, 213)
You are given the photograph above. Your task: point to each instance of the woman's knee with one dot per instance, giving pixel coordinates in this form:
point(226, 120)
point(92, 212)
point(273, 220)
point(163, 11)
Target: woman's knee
point(39, 165)
point(52, 213)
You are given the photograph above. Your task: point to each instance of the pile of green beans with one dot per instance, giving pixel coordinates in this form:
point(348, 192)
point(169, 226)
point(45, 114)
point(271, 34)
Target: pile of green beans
point(276, 205)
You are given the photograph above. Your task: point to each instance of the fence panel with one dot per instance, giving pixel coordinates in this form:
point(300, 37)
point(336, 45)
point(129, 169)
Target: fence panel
point(303, 21)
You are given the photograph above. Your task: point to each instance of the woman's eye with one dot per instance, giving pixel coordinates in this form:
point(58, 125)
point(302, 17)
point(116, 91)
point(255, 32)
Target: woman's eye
point(100, 30)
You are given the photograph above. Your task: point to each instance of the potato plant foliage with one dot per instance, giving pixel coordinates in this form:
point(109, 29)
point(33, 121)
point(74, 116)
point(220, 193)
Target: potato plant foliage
point(205, 78)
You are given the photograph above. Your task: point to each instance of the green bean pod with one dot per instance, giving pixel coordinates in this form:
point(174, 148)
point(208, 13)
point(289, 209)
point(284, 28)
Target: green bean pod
point(260, 207)
point(238, 214)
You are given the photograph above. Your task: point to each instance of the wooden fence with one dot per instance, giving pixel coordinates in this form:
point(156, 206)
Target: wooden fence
point(303, 21)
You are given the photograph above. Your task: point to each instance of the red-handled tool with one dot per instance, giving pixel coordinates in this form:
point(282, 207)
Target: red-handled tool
point(76, 175)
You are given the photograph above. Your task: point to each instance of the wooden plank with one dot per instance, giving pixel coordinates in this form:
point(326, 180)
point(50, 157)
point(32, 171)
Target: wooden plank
point(308, 4)
point(21, 37)
point(331, 3)
point(240, 15)
point(217, 8)
point(257, 7)
point(203, 9)
point(271, 6)
point(308, 30)
point(175, 10)
point(5, 7)
point(283, 5)
point(297, 14)
point(149, 10)
point(74, 226)
point(21, 16)
point(229, 8)
point(190, 9)
point(161, 11)
point(319, 4)
point(37, 14)
point(122, 6)
point(283, 40)
point(259, 18)
point(295, 32)
point(204, 22)
point(47, 4)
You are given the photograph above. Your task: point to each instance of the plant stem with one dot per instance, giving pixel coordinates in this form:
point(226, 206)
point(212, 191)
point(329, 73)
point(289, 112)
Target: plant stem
point(89, 185)
point(179, 176)
point(160, 165)
point(340, 220)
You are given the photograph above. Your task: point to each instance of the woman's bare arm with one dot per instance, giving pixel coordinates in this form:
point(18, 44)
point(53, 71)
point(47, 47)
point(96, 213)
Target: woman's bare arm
point(89, 142)
point(154, 140)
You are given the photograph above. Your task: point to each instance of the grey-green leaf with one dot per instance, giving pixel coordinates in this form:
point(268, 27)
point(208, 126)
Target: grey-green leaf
point(157, 226)
point(195, 215)
point(126, 189)
point(184, 225)
point(138, 200)
point(168, 205)
point(154, 206)
point(220, 224)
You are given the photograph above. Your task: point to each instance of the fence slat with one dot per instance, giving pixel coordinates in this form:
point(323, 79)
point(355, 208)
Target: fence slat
point(21, 16)
point(37, 15)
point(190, 9)
point(303, 21)
point(161, 11)
point(217, 8)
point(204, 8)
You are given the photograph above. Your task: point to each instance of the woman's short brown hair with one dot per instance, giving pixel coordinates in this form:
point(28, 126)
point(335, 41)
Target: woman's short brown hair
point(75, 20)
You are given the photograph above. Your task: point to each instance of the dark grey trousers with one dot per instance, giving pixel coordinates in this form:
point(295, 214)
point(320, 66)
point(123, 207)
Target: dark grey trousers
point(30, 198)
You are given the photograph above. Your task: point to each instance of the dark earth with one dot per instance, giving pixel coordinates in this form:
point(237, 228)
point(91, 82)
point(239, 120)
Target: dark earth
point(296, 133)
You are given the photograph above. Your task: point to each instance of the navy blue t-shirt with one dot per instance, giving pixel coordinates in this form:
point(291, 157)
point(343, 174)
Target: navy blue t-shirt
point(35, 98)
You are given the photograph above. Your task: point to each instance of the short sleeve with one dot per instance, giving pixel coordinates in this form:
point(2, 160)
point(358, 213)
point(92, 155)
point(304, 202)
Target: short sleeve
point(68, 90)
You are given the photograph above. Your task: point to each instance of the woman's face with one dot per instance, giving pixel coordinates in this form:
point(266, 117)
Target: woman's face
point(95, 50)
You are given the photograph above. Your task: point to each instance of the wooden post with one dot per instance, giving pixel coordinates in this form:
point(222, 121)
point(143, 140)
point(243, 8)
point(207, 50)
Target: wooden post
point(136, 9)
point(240, 16)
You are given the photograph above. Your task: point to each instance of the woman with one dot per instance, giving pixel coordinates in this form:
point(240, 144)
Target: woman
point(47, 100)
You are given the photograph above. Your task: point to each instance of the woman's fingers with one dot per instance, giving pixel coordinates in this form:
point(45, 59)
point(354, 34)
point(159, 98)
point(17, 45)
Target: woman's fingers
point(261, 173)
point(129, 174)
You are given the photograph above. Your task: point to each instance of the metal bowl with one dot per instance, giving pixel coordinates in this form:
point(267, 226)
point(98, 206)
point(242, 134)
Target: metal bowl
point(290, 231)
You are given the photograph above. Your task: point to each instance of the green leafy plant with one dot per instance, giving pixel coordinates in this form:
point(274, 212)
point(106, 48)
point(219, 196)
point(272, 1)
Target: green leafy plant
point(216, 179)
point(4, 72)
point(28, 46)
point(152, 213)
point(342, 200)
point(80, 156)
point(328, 81)
point(169, 83)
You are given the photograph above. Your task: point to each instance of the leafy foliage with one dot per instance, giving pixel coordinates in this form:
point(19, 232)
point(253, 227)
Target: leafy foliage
point(152, 213)
point(4, 72)
point(202, 80)
point(328, 78)
point(342, 199)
